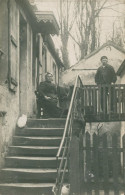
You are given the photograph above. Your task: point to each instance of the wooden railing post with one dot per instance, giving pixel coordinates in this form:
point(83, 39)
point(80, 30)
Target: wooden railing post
point(76, 173)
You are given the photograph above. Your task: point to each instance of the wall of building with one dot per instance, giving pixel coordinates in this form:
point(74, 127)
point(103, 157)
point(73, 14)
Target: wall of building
point(9, 100)
point(51, 66)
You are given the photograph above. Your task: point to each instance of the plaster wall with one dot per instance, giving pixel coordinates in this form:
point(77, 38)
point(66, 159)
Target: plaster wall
point(9, 101)
point(3, 41)
point(9, 104)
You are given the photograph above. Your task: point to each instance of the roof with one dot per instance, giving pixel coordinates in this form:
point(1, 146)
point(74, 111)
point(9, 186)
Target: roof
point(42, 22)
point(53, 51)
point(121, 68)
point(29, 12)
point(108, 43)
point(47, 21)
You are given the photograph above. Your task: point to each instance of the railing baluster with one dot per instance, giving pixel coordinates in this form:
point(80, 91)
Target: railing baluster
point(99, 100)
point(109, 109)
point(95, 99)
point(85, 96)
point(96, 96)
point(123, 102)
point(119, 101)
point(114, 100)
point(104, 102)
point(122, 105)
point(89, 96)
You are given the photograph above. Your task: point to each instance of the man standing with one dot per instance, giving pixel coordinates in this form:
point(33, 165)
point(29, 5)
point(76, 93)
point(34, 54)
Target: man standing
point(105, 75)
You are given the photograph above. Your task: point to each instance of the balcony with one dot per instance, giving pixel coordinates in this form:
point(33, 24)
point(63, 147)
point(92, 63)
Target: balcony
point(103, 103)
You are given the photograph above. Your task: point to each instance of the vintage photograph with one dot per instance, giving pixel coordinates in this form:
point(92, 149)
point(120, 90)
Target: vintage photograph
point(62, 97)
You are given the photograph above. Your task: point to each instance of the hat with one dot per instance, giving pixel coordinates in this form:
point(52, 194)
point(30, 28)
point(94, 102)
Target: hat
point(103, 57)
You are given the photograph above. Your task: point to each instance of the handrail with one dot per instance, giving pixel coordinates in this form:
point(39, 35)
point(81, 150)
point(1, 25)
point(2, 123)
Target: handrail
point(69, 112)
point(67, 136)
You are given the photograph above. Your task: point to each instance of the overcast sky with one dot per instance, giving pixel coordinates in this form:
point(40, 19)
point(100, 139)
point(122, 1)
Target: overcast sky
point(115, 12)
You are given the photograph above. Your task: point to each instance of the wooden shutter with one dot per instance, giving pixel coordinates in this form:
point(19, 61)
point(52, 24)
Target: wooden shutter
point(13, 44)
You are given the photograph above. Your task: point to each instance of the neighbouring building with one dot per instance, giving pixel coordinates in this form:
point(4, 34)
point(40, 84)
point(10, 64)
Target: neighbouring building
point(27, 52)
point(87, 68)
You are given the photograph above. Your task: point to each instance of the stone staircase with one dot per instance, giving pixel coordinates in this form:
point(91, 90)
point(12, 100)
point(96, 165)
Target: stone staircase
point(31, 166)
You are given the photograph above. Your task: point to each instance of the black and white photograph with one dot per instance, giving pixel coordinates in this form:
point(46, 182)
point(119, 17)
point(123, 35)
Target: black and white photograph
point(62, 97)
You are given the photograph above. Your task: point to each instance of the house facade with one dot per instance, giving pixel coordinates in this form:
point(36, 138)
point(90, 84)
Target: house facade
point(27, 52)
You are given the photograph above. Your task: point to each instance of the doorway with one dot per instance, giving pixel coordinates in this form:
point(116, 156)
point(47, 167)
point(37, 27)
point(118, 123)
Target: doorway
point(23, 65)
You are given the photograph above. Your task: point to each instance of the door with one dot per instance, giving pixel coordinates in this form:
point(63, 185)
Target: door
point(23, 66)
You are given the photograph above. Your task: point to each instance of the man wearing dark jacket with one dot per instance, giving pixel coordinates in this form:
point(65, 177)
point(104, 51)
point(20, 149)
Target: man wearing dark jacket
point(105, 75)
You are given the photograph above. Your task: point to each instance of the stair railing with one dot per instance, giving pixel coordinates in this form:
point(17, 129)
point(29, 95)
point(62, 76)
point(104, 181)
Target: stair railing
point(74, 113)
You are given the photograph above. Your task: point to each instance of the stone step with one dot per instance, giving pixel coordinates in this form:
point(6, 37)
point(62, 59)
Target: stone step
point(40, 131)
point(36, 141)
point(30, 162)
point(26, 188)
point(17, 175)
point(33, 150)
point(50, 122)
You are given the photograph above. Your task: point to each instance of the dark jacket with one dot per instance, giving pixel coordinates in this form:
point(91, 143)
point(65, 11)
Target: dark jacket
point(105, 75)
point(47, 88)
point(51, 90)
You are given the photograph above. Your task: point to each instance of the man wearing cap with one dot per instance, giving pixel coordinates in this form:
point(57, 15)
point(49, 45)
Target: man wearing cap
point(105, 75)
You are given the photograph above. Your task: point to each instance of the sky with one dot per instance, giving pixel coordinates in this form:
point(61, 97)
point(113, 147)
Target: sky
point(114, 12)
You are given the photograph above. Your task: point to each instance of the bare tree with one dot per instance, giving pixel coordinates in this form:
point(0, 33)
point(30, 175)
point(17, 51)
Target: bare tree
point(118, 33)
point(66, 22)
point(87, 12)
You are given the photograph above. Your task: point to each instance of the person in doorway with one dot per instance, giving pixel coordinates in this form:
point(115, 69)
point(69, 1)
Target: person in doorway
point(105, 75)
point(48, 97)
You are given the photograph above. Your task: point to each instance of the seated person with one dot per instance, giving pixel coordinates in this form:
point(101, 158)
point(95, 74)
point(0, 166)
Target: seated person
point(48, 98)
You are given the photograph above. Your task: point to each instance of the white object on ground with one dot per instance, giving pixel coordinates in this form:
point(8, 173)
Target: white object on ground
point(22, 121)
point(65, 190)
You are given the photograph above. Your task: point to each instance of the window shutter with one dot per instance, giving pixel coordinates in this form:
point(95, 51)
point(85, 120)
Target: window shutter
point(13, 45)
